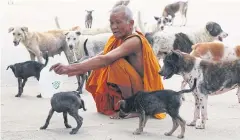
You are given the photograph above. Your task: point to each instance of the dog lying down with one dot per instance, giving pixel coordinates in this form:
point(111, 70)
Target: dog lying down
point(66, 102)
point(24, 70)
point(148, 104)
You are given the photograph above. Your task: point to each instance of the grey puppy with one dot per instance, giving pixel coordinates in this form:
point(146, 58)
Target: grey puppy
point(66, 102)
point(148, 104)
point(24, 70)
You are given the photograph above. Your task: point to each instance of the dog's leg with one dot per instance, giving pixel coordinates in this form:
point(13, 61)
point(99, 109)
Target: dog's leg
point(20, 89)
point(66, 120)
point(142, 119)
point(182, 124)
point(78, 119)
point(184, 83)
point(32, 56)
point(23, 84)
point(48, 119)
point(146, 119)
point(203, 106)
point(174, 127)
point(196, 111)
point(238, 93)
point(80, 80)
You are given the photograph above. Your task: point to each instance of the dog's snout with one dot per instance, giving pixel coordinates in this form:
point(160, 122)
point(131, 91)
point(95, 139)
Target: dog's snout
point(162, 27)
point(71, 47)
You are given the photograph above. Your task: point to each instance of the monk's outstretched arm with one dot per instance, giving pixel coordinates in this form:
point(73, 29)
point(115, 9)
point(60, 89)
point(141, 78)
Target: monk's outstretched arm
point(130, 46)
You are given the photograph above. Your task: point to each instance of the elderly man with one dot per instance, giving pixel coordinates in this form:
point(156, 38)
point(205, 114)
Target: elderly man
point(126, 66)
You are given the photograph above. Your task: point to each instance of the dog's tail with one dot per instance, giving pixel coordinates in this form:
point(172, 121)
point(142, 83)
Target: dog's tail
point(85, 47)
point(83, 105)
point(56, 22)
point(191, 89)
point(140, 23)
point(9, 67)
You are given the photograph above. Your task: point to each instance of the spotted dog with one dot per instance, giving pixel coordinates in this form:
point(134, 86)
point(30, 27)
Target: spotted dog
point(213, 78)
point(163, 42)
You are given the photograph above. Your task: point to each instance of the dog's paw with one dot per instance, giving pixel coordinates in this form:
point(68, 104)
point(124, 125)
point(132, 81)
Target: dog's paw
point(167, 134)
point(68, 126)
point(191, 124)
point(180, 136)
point(39, 96)
point(43, 127)
point(18, 95)
point(74, 131)
point(200, 126)
point(137, 131)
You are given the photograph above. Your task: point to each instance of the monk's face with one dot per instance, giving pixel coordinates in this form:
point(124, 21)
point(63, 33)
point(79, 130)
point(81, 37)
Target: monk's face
point(120, 26)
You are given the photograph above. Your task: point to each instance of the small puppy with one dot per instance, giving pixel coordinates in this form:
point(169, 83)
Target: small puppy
point(66, 102)
point(148, 104)
point(24, 70)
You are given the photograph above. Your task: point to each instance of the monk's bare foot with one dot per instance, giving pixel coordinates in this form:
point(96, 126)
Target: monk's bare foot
point(115, 116)
point(131, 115)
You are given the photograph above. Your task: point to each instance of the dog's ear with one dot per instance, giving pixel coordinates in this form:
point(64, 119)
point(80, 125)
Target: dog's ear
point(66, 33)
point(209, 26)
point(10, 29)
point(24, 29)
point(156, 18)
point(78, 33)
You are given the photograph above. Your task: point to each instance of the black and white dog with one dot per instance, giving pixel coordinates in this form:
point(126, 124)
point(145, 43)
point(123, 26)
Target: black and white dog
point(213, 78)
point(66, 102)
point(148, 104)
point(163, 42)
point(169, 12)
point(24, 70)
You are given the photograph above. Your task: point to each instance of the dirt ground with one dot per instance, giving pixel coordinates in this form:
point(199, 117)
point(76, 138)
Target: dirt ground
point(22, 117)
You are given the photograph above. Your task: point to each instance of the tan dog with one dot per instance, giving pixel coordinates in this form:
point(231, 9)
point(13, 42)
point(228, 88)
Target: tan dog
point(36, 43)
point(215, 51)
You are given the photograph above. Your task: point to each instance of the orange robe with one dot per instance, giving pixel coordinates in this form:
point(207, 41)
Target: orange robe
point(123, 74)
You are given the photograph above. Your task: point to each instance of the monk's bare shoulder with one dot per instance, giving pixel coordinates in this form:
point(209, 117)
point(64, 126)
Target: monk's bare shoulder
point(129, 47)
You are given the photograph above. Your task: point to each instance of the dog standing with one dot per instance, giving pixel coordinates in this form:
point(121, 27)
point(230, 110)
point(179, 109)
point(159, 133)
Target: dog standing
point(36, 43)
point(24, 70)
point(213, 78)
point(162, 43)
point(171, 9)
point(88, 19)
point(84, 46)
point(66, 102)
point(148, 104)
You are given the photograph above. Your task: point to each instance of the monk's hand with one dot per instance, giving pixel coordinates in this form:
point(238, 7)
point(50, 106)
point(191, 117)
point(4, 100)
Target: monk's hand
point(60, 68)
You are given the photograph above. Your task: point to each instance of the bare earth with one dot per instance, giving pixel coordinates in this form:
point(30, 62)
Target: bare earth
point(22, 117)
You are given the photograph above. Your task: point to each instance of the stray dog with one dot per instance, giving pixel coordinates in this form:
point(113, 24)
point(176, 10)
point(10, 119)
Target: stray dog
point(171, 9)
point(215, 51)
point(162, 22)
point(66, 102)
point(36, 43)
point(162, 43)
point(88, 19)
point(148, 104)
point(24, 70)
point(85, 46)
point(213, 78)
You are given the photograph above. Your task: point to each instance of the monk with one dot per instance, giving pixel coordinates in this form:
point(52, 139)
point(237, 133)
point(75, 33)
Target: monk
point(127, 65)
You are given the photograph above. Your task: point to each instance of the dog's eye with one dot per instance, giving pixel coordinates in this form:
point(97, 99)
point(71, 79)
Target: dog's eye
point(74, 38)
point(19, 34)
point(68, 38)
point(13, 33)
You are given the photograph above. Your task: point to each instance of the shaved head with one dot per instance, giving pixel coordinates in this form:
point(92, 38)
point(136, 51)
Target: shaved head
point(125, 10)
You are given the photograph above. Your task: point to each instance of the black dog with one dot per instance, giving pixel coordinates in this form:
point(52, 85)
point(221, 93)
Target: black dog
point(148, 104)
point(66, 102)
point(24, 70)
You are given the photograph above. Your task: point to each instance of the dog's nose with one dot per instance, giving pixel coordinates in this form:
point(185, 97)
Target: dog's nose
point(15, 42)
point(71, 47)
point(162, 27)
